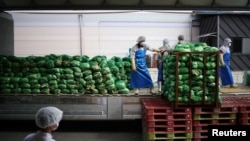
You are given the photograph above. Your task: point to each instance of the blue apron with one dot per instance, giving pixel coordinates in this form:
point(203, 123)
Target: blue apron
point(225, 72)
point(141, 77)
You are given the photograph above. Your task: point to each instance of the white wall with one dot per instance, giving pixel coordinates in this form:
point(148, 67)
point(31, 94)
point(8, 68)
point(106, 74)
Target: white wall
point(101, 34)
point(41, 34)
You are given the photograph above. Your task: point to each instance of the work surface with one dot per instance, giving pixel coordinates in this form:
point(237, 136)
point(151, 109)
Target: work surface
point(240, 89)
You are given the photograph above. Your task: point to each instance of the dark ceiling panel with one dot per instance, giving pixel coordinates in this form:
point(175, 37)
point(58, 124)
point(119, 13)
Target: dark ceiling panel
point(86, 2)
point(202, 3)
point(125, 5)
point(19, 3)
point(159, 2)
point(231, 3)
point(123, 2)
point(50, 2)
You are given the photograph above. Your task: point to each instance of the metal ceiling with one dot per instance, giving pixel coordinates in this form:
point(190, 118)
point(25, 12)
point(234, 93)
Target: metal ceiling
point(125, 5)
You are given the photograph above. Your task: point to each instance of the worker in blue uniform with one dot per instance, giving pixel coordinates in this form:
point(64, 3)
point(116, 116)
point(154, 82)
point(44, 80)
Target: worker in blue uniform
point(225, 71)
point(166, 47)
point(140, 76)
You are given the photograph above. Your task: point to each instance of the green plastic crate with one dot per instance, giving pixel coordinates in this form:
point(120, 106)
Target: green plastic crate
point(248, 78)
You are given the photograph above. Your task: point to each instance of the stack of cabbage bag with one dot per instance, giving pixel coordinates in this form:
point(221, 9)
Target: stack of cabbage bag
point(190, 72)
point(63, 74)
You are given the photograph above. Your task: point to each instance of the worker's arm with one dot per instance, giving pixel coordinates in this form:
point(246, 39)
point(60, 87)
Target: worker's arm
point(156, 50)
point(133, 63)
point(132, 56)
point(159, 50)
point(222, 63)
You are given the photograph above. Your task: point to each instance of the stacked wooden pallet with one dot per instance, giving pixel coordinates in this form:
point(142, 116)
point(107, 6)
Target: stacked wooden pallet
point(205, 116)
point(162, 122)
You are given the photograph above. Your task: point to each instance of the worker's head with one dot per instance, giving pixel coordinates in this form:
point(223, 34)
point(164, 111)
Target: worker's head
point(180, 39)
point(227, 42)
point(165, 42)
point(141, 39)
point(48, 117)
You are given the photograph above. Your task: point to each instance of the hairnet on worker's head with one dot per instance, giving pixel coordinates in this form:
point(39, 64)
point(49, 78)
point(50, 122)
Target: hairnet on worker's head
point(48, 116)
point(165, 42)
point(227, 40)
point(141, 39)
point(180, 37)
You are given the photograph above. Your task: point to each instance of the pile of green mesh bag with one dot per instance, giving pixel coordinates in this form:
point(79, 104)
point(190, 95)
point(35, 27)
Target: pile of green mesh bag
point(64, 74)
point(190, 73)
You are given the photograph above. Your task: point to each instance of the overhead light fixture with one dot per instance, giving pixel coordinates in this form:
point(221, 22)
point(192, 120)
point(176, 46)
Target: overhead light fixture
point(70, 11)
point(96, 11)
point(172, 11)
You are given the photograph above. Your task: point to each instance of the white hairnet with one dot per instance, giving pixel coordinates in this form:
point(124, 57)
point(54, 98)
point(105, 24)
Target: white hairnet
point(165, 42)
point(48, 116)
point(141, 39)
point(180, 37)
point(227, 40)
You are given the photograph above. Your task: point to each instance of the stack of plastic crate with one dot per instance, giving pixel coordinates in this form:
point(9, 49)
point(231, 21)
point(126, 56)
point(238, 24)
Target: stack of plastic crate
point(163, 122)
point(244, 111)
point(204, 116)
point(244, 115)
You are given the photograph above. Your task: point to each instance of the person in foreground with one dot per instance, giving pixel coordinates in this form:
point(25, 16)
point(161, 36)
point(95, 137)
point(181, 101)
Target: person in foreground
point(47, 120)
point(140, 76)
point(160, 78)
point(225, 71)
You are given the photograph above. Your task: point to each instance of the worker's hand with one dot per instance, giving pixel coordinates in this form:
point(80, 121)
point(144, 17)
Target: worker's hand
point(163, 50)
point(223, 65)
point(133, 67)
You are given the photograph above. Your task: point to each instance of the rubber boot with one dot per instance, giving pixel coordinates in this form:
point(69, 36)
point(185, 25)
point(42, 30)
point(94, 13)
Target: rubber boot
point(136, 91)
point(234, 86)
point(159, 87)
point(152, 91)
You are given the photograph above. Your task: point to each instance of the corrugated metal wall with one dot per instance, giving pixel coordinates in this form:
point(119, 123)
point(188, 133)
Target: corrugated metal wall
point(6, 34)
point(208, 24)
point(232, 26)
point(236, 26)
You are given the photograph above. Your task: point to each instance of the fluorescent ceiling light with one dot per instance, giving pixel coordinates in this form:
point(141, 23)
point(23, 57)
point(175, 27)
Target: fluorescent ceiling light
point(70, 11)
point(96, 11)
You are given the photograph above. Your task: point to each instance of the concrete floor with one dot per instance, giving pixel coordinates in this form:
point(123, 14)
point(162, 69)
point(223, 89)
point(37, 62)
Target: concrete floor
point(77, 136)
point(77, 130)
